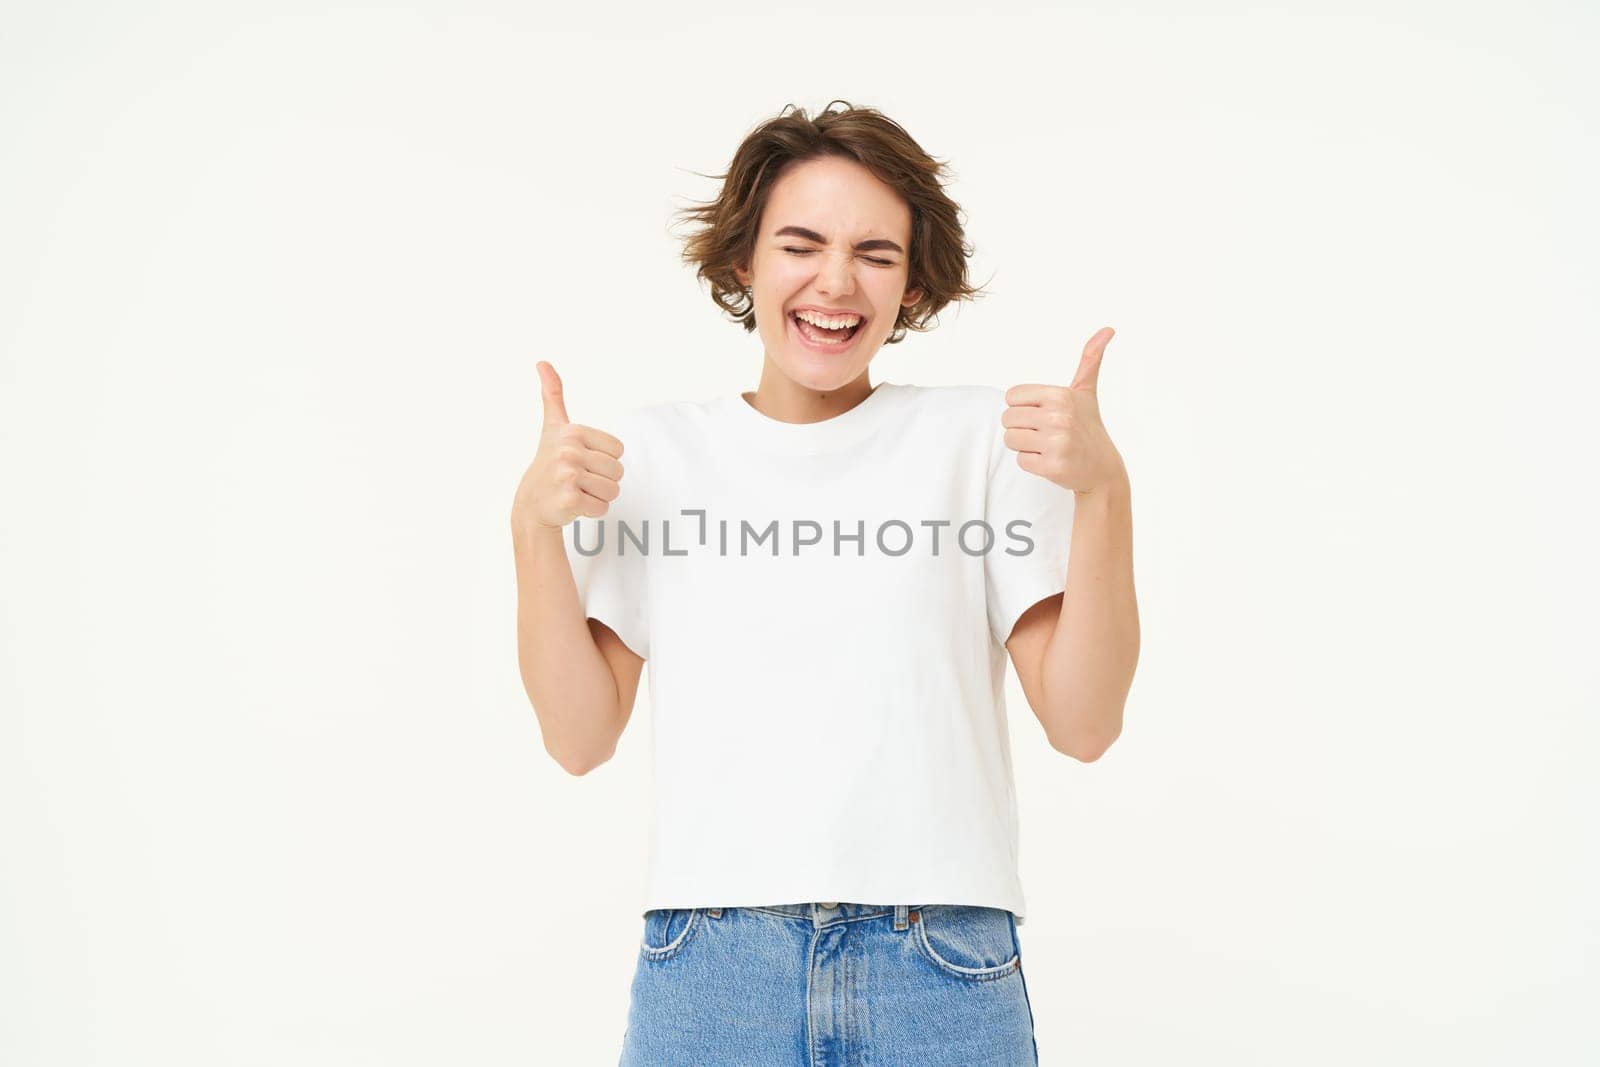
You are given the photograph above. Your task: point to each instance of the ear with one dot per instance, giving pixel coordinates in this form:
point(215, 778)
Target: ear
point(912, 296)
point(743, 275)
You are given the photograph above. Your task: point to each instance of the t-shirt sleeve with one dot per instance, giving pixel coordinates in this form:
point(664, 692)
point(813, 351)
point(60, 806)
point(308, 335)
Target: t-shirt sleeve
point(1031, 518)
point(608, 564)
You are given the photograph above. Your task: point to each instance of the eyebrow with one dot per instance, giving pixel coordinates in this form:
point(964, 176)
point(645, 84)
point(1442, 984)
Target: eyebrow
point(861, 246)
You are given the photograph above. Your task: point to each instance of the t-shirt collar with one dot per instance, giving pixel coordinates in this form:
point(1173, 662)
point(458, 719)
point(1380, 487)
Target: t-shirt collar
point(805, 438)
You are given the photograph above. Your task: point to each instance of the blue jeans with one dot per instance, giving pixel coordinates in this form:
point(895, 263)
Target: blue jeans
point(820, 985)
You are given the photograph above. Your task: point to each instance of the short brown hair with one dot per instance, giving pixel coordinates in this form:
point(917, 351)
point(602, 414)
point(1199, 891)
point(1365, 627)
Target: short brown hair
point(726, 239)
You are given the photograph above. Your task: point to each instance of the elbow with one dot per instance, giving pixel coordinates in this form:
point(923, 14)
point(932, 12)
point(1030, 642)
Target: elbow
point(571, 740)
point(579, 756)
point(580, 764)
point(1086, 746)
point(1079, 752)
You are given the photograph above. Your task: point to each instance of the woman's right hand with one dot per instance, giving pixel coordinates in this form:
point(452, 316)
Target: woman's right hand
point(575, 471)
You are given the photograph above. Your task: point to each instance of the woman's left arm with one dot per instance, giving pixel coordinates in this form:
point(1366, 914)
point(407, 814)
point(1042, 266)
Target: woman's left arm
point(1075, 653)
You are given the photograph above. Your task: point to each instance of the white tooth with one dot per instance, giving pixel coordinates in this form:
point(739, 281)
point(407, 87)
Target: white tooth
point(829, 323)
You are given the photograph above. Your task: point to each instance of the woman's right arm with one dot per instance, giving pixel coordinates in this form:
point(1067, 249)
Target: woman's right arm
point(579, 676)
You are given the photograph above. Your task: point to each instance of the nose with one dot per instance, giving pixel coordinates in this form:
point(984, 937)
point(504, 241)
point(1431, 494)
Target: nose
point(836, 276)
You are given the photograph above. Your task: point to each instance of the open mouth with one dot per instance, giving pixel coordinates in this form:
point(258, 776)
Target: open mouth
point(823, 338)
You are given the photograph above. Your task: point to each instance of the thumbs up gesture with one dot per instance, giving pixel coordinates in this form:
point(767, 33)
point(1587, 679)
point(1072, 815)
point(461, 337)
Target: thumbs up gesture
point(1056, 430)
point(575, 471)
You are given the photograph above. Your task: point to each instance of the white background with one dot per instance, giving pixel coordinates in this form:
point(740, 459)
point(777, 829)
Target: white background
point(273, 280)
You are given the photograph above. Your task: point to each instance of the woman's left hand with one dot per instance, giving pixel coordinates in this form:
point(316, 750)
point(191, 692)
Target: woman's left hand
point(1056, 429)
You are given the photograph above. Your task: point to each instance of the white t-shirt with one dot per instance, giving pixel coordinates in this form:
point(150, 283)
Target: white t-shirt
point(828, 715)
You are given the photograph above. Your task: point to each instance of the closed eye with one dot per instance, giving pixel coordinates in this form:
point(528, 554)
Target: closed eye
point(869, 259)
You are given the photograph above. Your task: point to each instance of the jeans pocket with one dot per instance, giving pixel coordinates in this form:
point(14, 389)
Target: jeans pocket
point(966, 941)
point(667, 931)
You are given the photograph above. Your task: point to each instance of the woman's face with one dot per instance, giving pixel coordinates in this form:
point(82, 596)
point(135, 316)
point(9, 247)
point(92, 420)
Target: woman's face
point(832, 238)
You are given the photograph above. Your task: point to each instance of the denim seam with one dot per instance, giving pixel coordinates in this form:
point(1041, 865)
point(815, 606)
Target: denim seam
point(851, 999)
point(811, 970)
point(1033, 1026)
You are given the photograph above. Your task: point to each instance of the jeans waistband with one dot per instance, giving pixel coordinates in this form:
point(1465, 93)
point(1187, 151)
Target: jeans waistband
point(823, 913)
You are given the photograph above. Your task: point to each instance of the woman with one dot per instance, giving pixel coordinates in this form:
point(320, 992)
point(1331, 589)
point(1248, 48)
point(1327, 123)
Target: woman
point(825, 577)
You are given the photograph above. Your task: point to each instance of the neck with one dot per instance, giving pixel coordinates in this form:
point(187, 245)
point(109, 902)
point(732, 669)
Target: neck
point(780, 397)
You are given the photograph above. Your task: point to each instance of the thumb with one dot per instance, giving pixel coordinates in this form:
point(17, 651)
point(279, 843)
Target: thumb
point(1088, 376)
point(555, 409)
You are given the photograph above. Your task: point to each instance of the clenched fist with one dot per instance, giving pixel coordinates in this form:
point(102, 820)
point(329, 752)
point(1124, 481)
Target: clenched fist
point(574, 472)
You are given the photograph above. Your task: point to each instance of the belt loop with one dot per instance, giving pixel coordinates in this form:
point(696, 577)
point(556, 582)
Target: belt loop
point(900, 916)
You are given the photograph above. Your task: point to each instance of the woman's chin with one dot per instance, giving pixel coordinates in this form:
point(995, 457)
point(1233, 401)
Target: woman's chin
point(820, 375)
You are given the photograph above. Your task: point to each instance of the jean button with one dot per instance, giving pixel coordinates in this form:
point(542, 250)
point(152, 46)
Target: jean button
point(829, 904)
